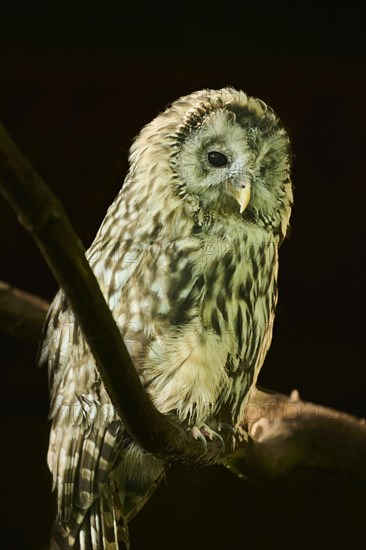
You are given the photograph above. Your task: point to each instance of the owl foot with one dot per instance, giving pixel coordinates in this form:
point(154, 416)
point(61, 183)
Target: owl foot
point(204, 433)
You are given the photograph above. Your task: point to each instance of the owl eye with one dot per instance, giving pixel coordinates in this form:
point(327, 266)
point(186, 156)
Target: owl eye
point(217, 159)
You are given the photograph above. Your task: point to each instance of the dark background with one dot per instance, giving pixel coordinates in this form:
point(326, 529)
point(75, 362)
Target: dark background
point(76, 87)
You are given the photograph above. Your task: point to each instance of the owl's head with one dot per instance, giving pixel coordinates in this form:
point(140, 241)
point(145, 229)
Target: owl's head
point(221, 151)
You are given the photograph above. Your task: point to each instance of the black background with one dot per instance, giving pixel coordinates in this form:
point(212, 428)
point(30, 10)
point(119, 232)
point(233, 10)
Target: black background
point(76, 86)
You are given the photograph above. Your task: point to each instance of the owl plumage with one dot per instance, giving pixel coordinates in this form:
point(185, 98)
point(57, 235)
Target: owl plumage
point(187, 259)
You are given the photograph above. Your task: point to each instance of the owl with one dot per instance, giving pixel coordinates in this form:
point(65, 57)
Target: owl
point(187, 259)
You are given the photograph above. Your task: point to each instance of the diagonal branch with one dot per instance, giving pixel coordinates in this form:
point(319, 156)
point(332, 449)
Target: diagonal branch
point(40, 212)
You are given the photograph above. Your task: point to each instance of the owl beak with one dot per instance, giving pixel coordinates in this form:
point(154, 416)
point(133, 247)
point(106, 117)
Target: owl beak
point(241, 195)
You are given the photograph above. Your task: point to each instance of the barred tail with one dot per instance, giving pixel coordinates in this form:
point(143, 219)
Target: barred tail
point(100, 527)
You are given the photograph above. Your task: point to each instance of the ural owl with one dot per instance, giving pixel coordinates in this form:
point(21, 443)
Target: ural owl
point(187, 259)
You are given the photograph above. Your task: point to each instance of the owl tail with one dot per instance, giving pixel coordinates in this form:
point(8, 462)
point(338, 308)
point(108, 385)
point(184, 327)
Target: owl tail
point(100, 527)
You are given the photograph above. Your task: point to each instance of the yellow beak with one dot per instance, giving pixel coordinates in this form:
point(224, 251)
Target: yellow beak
point(241, 195)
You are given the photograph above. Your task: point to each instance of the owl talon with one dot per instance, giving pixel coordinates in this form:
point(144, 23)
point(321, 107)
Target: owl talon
point(223, 426)
point(197, 434)
point(204, 432)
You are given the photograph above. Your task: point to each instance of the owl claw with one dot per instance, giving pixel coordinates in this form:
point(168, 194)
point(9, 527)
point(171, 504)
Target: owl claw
point(197, 434)
point(204, 432)
point(233, 435)
point(223, 426)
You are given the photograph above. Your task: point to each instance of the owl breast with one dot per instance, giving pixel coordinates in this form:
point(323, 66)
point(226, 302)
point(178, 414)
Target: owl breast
point(206, 367)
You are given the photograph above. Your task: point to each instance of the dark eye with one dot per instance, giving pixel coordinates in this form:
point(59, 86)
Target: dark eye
point(217, 159)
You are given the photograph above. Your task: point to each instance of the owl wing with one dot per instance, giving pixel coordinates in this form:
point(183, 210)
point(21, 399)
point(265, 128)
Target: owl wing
point(87, 437)
point(87, 434)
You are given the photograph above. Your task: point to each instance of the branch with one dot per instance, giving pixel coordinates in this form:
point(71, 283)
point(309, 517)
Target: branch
point(21, 314)
point(289, 435)
point(43, 216)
